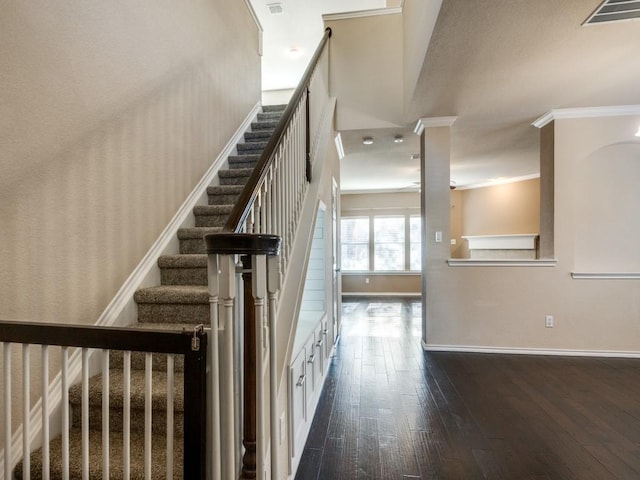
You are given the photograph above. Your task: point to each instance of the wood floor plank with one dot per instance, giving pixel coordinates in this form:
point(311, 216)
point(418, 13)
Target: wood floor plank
point(392, 411)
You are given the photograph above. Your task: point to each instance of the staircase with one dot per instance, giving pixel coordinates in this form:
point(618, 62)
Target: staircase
point(180, 302)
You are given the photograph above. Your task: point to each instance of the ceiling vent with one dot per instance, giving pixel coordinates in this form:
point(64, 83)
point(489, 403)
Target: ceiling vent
point(614, 11)
point(275, 8)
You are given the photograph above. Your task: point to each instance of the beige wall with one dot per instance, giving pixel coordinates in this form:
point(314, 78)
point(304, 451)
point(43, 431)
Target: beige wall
point(396, 203)
point(111, 113)
point(504, 307)
point(360, 46)
point(500, 209)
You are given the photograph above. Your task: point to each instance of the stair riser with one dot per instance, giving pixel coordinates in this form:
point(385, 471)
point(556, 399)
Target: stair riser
point(211, 220)
point(115, 458)
point(259, 136)
point(253, 148)
point(183, 276)
point(223, 199)
point(159, 361)
point(116, 419)
point(242, 165)
point(255, 126)
point(193, 314)
point(234, 180)
point(269, 116)
point(274, 108)
point(192, 246)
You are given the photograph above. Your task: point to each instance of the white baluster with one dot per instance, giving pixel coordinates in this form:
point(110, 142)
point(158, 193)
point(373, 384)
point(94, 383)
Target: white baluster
point(259, 280)
point(105, 413)
point(170, 403)
point(85, 413)
point(64, 360)
point(26, 411)
point(148, 384)
point(45, 410)
point(6, 349)
point(126, 415)
point(227, 401)
point(273, 285)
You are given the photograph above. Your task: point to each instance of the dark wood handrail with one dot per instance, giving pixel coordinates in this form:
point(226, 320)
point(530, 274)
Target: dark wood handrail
point(242, 208)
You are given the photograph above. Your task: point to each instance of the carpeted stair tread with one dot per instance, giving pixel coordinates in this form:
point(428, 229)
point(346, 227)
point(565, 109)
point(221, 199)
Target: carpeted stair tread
point(172, 294)
point(212, 209)
point(266, 125)
point(192, 239)
point(268, 116)
point(191, 233)
point(159, 360)
point(226, 189)
point(183, 261)
point(158, 461)
point(246, 158)
point(261, 135)
point(189, 269)
point(116, 381)
point(235, 176)
point(251, 147)
point(274, 108)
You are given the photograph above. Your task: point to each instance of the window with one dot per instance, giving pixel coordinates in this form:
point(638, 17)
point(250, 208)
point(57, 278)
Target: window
point(415, 245)
point(388, 243)
point(354, 239)
point(381, 243)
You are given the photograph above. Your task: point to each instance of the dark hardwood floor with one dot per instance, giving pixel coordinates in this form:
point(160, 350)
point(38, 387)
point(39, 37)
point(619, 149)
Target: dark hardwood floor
point(391, 411)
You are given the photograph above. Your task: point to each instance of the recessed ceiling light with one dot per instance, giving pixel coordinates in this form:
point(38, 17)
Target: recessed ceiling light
point(367, 141)
point(398, 139)
point(295, 53)
point(275, 8)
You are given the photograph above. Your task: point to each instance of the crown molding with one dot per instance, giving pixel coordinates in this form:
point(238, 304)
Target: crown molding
point(329, 17)
point(433, 122)
point(586, 112)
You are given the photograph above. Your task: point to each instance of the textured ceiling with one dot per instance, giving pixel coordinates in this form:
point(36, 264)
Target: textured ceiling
point(495, 64)
point(500, 64)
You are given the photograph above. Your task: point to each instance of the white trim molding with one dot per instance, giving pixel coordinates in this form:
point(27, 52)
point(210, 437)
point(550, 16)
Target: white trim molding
point(339, 147)
point(586, 112)
point(433, 122)
point(329, 17)
point(605, 276)
point(470, 262)
point(256, 20)
point(530, 351)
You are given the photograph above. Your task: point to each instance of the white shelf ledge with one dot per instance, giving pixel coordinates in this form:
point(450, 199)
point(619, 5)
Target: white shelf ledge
point(605, 276)
point(502, 242)
point(470, 262)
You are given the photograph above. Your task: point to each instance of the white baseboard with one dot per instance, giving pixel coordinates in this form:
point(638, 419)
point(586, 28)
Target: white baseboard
point(382, 294)
point(530, 351)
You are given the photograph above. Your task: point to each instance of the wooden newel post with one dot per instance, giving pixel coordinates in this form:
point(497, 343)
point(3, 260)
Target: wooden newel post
point(249, 383)
point(252, 249)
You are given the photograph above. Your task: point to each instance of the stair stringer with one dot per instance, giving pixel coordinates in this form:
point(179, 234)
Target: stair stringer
point(290, 296)
point(122, 309)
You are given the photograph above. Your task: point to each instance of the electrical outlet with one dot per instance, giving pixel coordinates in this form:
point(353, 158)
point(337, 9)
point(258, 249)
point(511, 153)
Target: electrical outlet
point(548, 321)
point(366, 280)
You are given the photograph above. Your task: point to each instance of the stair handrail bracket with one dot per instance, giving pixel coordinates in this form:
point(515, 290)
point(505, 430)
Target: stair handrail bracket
point(75, 341)
point(259, 257)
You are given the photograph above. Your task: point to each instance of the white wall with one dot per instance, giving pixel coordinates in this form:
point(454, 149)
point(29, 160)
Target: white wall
point(111, 112)
point(500, 307)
